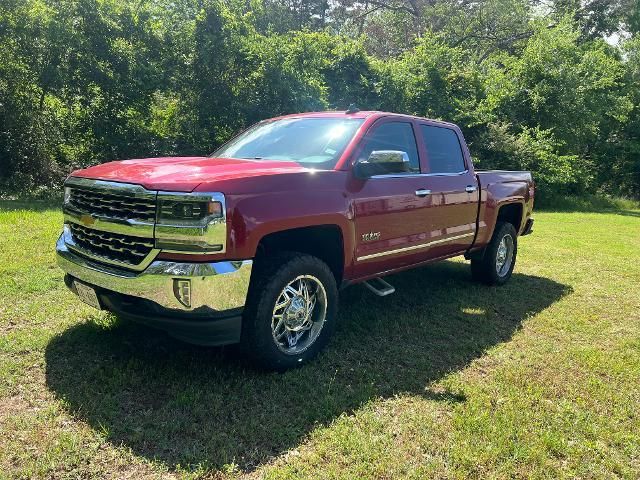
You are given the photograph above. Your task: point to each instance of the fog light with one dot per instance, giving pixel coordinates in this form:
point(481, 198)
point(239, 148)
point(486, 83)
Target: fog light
point(182, 291)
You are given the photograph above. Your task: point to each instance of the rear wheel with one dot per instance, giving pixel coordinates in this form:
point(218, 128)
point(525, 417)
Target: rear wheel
point(495, 265)
point(290, 312)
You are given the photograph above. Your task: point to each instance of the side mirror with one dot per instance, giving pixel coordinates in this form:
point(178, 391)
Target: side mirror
point(383, 162)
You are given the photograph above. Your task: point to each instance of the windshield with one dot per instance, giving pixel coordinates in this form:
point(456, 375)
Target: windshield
point(312, 142)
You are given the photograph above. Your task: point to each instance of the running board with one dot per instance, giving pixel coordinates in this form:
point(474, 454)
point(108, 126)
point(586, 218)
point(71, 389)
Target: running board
point(381, 288)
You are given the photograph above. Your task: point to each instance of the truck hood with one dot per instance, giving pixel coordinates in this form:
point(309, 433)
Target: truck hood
point(184, 174)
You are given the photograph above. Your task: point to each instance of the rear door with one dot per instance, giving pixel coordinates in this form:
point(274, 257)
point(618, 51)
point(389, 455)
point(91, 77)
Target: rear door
point(453, 189)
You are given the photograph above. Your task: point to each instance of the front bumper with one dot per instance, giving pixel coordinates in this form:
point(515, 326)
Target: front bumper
point(217, 293)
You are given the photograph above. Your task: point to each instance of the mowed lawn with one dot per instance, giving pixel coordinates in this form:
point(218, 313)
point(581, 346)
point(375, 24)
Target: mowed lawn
point(444, 379)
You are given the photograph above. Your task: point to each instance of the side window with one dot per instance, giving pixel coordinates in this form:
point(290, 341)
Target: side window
point(392, 136)
point(443, 149)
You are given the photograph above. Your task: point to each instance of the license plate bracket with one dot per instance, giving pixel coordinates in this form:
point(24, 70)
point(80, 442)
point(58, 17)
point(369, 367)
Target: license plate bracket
point(87, 294)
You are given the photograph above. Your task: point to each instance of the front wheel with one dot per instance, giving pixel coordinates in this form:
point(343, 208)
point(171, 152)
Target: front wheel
point(291, 311)
point(495, 265)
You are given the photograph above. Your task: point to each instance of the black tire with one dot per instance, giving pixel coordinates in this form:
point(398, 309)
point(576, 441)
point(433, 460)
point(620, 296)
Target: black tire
point(270, 276)
point(484, 267)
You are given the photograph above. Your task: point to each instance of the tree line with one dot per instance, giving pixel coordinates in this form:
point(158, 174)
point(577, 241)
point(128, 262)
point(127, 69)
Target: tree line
point(532, 83)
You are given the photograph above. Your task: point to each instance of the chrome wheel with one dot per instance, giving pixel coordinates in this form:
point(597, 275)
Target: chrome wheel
point(504, 255)
point(299, 314)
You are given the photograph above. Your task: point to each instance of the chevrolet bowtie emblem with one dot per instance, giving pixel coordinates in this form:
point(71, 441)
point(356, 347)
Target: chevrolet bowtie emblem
point(87, 220)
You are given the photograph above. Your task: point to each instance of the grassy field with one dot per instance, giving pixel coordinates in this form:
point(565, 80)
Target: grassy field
point(444, 379)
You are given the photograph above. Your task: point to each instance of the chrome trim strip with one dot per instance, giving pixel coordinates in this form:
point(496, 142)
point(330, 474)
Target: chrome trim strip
point(216, 286)
point(408, 175)
point(122, 226)
point(414, 247)
point(113, 187)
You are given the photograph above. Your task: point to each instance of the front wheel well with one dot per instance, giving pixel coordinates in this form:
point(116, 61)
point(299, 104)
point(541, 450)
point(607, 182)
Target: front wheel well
point(511, 213)
point(322, 241)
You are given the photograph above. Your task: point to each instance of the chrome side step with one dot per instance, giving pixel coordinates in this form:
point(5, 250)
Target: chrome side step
point(379, 287)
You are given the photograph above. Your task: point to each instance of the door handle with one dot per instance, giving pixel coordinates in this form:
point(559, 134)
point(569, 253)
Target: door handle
point(471, 188)
point(423, 192)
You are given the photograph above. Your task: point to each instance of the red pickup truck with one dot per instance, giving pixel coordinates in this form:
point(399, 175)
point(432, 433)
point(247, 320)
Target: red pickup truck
point(253, 243)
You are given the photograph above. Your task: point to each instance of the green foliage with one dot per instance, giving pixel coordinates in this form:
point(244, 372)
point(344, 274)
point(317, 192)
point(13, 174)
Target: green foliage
point(558, 105)
point(535, 150)
point(621, 173)
point(433, 80)
point(557, 84)
point(86, 81)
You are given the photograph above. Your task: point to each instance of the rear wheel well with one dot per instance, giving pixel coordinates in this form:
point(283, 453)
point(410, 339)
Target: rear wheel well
point(511, 213)
point(322, 241)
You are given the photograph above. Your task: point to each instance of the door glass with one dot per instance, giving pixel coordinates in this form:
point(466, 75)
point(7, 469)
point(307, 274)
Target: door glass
point(392, 136)
point(443, 149)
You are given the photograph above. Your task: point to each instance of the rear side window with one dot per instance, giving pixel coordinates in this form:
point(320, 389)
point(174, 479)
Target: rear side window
point(443, 149)
point(392, 136)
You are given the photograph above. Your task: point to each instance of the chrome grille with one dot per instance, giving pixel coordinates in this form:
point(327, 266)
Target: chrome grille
point(111, 246)
point(113, 205)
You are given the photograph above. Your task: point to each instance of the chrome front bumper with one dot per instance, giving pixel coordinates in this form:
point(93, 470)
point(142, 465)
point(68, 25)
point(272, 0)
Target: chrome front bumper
point(216, 287)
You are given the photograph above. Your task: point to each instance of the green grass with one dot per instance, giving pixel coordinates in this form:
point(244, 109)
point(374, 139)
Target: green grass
point(444, 379)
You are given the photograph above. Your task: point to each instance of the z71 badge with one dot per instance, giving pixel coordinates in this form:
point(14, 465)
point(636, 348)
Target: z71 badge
point(371, 236)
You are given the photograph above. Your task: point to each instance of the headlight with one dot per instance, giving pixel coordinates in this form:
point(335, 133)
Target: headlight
point(188, 212)
point(191, 223)
point(67, 195)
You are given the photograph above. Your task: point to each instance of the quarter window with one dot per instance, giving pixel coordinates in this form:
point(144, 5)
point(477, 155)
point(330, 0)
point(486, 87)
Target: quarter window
point(443, 149)
point(392, 136)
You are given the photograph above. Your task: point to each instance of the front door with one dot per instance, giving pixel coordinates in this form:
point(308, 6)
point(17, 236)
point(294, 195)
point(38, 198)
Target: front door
point(389, 211)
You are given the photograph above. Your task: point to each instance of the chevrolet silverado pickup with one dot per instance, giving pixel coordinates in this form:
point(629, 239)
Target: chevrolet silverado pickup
point(252, 244)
